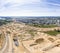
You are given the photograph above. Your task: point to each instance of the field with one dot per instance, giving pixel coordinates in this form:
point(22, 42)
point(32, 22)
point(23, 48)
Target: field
point(43, 26)
point(55, 32)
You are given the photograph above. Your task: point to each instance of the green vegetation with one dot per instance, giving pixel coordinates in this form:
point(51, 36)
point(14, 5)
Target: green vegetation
point(32, 32)
point(43, 26)
point(4, 22)
point(55, 32)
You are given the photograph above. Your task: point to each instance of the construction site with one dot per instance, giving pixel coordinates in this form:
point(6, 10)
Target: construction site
point(22, 38)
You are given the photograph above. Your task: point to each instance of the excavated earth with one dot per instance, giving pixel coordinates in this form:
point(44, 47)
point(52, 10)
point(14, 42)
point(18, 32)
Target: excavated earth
point(32, 39)
point(2, 38)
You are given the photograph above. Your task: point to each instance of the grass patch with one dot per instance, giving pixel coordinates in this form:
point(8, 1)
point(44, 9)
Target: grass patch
point(31, 32)
point(47, 26)
point(55, 32)
point(43, 26)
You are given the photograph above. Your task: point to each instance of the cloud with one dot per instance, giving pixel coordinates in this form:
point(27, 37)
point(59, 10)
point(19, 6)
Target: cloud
point(16, 4)
point(29, 7)
point(20, 2)
point(54, 3)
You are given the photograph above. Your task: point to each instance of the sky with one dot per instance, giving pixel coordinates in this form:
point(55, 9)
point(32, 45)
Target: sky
point(29, 7)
